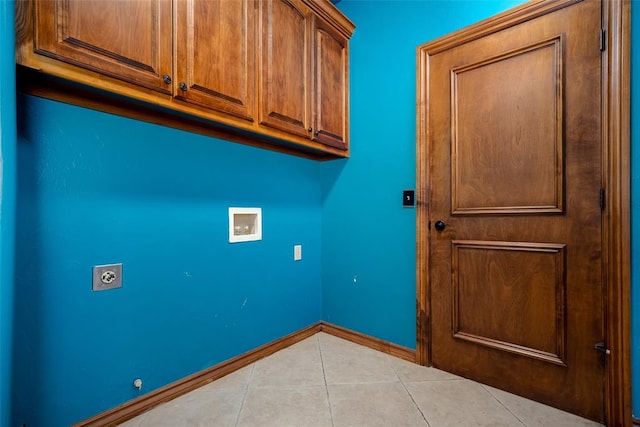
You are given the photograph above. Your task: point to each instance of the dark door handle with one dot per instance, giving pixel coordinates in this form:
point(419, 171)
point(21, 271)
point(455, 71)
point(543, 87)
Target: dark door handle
point(440, 225)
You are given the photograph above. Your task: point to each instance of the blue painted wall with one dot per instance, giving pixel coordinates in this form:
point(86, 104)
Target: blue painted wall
point(7, 203)
point(367, 236)
point(96, 189)
point(368, 239)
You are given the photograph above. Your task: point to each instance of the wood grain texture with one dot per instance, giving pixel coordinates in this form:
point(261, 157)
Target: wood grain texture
point(24, 30)
point(285, 68)
point(616, 232)
point(491, 90)
point(576, 386)
point(616, 79)
point(520, 310)
point(214, 54)
point(215, 45)
point(329, 13)
point(502, 21)
point(331, 89)
point(492, 25)
point(128, 40)
point(423, 226)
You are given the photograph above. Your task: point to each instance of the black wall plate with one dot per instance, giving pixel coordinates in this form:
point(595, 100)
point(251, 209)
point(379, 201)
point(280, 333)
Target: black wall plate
point(408, 198)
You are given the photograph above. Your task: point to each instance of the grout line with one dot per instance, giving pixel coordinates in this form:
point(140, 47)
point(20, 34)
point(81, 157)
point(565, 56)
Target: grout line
point(502, 404)
point(324, 376)
point(404, 386)
point(246, 391)
point(415, 403)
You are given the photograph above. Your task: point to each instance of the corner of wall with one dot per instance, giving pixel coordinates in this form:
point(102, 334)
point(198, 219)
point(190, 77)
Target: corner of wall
point(7, 204)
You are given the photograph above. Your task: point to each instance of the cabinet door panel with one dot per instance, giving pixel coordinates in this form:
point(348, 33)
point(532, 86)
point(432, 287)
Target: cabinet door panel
point(284, 66)
point(215, 55)
point(126, 39)
point(331, 91)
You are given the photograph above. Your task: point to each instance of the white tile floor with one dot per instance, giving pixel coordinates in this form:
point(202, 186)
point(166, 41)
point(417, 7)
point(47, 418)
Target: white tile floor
point(327, 381)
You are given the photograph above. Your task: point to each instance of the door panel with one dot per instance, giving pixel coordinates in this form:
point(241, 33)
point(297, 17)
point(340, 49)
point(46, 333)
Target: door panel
point(331, 92)
point(514, 132)
point(285, 70)
point(493, 302)
point(215, 59)
point(508, 90)
point(129, 40)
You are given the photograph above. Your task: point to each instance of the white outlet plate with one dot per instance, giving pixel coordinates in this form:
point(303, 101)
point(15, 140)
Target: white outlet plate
point(297, 252)
point(108, 276)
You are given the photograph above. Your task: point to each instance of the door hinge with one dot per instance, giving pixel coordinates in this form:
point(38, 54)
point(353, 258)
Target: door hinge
point(603, 39)
point(604, 351)
point(602, 199)
point(602, 348)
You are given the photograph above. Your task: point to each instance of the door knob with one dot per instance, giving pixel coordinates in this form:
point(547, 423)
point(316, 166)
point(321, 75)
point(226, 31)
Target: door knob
point(440, 225)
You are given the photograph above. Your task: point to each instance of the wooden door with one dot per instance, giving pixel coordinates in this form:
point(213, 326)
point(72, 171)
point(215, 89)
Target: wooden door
point(285, 94)
point(331, 86)
point(126, 39)
point(515, 251)
point(215, 55)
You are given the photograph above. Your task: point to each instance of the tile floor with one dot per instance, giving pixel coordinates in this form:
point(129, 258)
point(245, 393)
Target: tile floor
point(327, 381)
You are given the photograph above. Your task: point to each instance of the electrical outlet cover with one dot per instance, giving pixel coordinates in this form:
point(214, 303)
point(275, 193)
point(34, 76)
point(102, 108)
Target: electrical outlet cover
point(107, 276)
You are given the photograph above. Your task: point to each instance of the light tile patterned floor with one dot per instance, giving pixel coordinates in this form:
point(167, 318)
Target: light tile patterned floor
point(327, 381)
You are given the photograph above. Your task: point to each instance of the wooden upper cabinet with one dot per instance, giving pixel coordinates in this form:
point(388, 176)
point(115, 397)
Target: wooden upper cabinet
point(304, 78)
point(126, 39)
point(215, 55)
point(331, 86)
point(270, 73)
point(285, 72)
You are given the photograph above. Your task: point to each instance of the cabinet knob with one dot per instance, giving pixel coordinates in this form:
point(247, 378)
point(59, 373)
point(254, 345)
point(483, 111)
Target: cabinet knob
point(183, 86)
point(317, 132)
point(167, 79)
point(309, 129)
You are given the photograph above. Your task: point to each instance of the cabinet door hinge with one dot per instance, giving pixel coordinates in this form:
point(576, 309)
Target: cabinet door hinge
point(603, 40)
point(602, 199)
